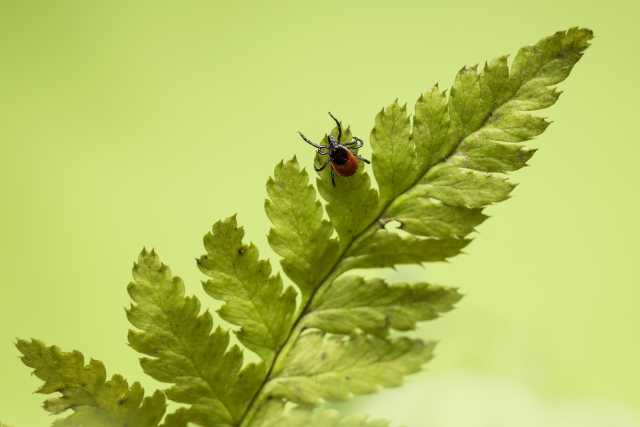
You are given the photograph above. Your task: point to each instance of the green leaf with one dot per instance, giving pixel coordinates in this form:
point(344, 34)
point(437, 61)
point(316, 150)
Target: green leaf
point(354, 305)
point(394, 157)
point(84, 389)
point(386, 248)
point(435, 177)
point(459, 143)
point(430, 217)
point(299, 233)
point(254, 299)
point(550, 61)
point(301, 417)
point(184, 351)
point(432, 134)
point(335, 367)
point(465, 142)
point(489, 156)
point(351, 205)
point(462, 188)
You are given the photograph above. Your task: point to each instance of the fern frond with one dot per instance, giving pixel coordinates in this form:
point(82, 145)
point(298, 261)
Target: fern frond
point(436, 170)
point(435, 174)
point(183, 350)
point(85, 390)
point(254, 300)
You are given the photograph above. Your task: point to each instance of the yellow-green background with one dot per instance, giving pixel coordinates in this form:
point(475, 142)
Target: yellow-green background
point(131, 123)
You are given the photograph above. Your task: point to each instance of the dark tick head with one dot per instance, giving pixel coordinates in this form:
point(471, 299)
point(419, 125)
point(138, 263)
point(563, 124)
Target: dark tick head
point(343, 155)
point(339, 155)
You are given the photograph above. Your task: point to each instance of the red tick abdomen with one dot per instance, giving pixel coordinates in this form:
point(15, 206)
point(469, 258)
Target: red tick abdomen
point(348, 168)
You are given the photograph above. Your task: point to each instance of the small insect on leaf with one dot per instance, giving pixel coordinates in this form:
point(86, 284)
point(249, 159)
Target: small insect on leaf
point(343, 156)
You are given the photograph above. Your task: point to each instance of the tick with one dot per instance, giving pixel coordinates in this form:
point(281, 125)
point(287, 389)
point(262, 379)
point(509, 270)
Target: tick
point(344, 158)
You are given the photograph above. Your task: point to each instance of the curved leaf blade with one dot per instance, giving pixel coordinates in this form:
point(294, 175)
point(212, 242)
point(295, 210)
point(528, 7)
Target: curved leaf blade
point(299, 234)
point(354, 305)
point(182, 349)
point(254, 299)
point(394, 156)
point(385, 248)
point(85, 390)
point(334, 367)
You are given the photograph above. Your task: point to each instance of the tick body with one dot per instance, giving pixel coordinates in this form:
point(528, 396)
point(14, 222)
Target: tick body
point(343, 161)
point(343, 157)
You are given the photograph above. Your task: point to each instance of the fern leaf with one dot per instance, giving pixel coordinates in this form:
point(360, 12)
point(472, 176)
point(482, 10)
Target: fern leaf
point(85, 390)
point(474, 136)
point(299, 233)
point(435, 175)
point(322, 367)
point(205, 372)
point(254, 300)
point(429, 217)
point(388, 249)
point(463, 145)
point(394, 157)
point(459, 187)
point(354, 305)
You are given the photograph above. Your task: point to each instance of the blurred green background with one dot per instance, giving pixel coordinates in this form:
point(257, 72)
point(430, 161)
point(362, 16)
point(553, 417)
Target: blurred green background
point(133, 123)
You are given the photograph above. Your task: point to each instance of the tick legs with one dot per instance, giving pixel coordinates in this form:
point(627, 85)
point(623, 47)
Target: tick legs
point(322, 167)
point(309, 142)
point(339, 127)
point(355, 144)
